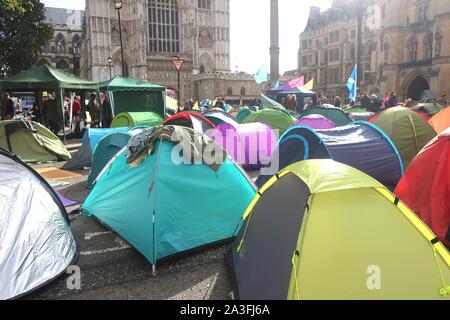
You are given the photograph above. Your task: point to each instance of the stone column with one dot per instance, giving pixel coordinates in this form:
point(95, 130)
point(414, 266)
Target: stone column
point(274, 42)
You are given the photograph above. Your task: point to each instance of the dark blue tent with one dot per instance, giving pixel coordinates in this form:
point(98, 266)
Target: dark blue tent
point(361, 145)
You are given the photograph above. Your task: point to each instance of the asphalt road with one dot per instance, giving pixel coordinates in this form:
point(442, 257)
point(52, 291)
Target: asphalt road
point(112, 269)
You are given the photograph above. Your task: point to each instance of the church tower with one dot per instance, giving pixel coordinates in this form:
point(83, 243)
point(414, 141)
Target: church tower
point(153, 31)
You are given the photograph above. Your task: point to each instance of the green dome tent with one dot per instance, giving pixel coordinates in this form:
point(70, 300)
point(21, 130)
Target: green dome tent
point(136, 119)
point(242, 114)
point(275, 119)
point(332, 113)
point(407, 129)
point(31, 142)
point(310, 234)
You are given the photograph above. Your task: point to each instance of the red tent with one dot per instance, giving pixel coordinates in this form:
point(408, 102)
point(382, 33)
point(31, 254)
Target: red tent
point(190, 119)
point(425, 187)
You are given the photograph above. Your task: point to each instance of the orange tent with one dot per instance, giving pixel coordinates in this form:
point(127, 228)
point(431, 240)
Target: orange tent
point(441, 121)
point(425, 187)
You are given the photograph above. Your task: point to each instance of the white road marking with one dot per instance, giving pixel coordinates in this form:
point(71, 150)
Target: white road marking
point(122, 245)
point(90, 235)
point(95, 252)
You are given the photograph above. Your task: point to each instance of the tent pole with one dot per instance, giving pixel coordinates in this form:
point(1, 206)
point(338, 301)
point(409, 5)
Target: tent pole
point(61, 108)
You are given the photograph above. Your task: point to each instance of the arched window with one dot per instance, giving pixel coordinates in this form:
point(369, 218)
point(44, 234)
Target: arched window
point(204, 4)
point(164, 33)
point(42, 61)
point(76, 44)
point(202, 68)
point(428, 43)
point(438, 44)
point(386, 50)
point(62, 65)
point(230, 91)
point(60, 43)
point(412, 47)
point(243, 91)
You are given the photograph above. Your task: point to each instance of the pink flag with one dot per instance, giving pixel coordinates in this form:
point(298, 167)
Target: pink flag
point(297, 83)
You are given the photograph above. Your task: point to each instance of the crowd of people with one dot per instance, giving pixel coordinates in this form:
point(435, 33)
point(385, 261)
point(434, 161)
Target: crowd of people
point(99, 111)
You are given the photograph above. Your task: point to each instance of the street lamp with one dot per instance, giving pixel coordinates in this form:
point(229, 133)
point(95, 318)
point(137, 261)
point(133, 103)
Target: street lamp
point(109, 64)
point(118, 7)
point(360, 15)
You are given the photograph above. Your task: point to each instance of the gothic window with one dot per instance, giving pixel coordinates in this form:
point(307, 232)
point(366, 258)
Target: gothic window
point(60, 44)
point(242, 91)
point(164, 34)
point(62, 65)
point(428, 47)
point(76, 44)
point(385, 47)
point(45, 48)
point(202, 68)
point(204, 4)
point(230, 91)
point(438, 44)
point(412, 47)
point(42, 61)
point(423, 11)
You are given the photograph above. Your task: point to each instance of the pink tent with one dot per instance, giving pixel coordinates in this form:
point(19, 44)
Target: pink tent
point(250, 145)
point(315, 121)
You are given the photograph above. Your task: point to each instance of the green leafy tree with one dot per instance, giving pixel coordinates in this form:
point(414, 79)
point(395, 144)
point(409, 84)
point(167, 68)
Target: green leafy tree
point(23, 31)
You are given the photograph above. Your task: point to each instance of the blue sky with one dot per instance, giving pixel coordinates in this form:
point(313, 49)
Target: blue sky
point(250, 28)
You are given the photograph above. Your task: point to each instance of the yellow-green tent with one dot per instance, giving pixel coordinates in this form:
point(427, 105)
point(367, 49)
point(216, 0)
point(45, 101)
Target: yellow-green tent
point(136, 119)
point(171, 103)
point(323, 230)
point(31, 142)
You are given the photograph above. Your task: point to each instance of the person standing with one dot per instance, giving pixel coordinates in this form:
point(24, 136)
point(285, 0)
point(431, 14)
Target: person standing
point(106, 111)
point(7, 110)
point(51, 114)
point(76, 113)
point(292, 103)
point(36, 112)
point(93, 108)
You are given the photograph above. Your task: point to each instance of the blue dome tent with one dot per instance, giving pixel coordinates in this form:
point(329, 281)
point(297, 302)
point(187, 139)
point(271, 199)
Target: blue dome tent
point(360, 145)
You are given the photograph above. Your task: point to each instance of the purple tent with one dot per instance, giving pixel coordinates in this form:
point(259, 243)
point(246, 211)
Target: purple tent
point(250, 145)
point(315, 121)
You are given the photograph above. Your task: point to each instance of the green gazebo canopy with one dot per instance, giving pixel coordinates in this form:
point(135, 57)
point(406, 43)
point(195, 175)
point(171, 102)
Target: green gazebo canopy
point(133, 95)
point(129, 84)
point(44, 78)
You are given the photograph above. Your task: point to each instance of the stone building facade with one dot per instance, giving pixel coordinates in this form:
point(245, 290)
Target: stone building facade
point(63, 50)
point(405, 47)
point(153, 31)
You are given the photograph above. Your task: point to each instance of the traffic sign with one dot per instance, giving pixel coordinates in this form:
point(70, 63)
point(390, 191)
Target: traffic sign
point(177, 63)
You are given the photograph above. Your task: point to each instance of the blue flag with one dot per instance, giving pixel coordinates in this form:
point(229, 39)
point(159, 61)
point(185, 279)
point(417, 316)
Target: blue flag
point(352, 83)
point(276, 85)
point(262, 75)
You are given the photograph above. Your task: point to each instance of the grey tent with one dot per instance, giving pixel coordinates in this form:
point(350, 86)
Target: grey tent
point(91, 137)
point(36, 243)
